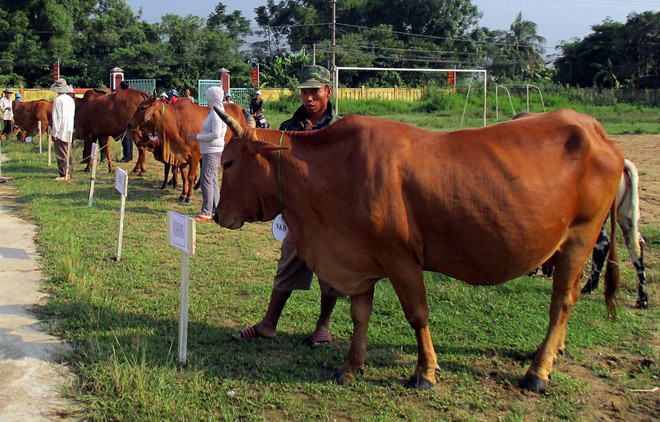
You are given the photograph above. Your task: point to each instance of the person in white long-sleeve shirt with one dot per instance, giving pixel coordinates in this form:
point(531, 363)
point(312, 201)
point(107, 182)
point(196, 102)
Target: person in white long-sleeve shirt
point(211, 144)
point(64, 108)
point(7, 112)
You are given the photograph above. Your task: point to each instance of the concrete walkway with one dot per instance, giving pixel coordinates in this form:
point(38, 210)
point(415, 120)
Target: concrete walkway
point(30, 382)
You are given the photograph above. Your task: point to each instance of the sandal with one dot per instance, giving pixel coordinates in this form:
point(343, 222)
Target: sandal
point(249, 334)
point(320, 339)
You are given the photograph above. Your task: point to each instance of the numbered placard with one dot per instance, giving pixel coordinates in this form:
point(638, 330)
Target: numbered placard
point(121, 181)
point(280, 229)
point(181, 232)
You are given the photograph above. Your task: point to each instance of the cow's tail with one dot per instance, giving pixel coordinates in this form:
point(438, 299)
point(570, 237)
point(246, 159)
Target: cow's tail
point(633, 177)
point(612, 267)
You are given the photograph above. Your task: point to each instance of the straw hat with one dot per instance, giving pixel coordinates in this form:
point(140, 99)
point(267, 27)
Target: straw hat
point(9, 91)
point(60, 86)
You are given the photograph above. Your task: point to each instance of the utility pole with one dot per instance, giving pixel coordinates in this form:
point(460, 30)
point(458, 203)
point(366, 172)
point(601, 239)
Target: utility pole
point(334, 33)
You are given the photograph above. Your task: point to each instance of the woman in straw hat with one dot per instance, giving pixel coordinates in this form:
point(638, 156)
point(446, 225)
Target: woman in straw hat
point(7, 112)
point(64, 108)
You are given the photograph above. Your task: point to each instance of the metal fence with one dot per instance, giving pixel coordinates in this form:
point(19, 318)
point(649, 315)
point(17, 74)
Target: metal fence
point(202, 86)
point(242, 96)
point(146, 85)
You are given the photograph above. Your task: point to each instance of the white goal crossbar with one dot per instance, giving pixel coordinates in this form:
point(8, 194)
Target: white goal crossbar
point(398, 69)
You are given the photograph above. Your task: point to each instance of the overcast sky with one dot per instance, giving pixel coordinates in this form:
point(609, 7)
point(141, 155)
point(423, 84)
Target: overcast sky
point(557, 20)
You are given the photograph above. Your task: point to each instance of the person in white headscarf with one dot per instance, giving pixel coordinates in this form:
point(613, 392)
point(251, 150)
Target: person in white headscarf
point(64, 108)
point(211, 143)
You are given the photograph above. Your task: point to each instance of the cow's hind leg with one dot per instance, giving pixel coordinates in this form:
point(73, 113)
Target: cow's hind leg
point(361, 306)
point(565, 292)
point(597, 261)
point(637, 260)
point(642, 294)
point(87, 151)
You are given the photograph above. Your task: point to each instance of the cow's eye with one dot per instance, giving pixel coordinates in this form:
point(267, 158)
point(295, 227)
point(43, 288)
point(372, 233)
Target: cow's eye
point(227, 164)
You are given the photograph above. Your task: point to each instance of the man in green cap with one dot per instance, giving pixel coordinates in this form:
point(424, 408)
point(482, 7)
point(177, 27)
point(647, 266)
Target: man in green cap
point(292, 273)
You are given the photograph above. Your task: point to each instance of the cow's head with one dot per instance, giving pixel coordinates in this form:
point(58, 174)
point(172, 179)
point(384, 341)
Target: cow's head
point(145, 124)
point(249, 190)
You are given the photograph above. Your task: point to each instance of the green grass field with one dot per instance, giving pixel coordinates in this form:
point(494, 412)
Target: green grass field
point(121, 320)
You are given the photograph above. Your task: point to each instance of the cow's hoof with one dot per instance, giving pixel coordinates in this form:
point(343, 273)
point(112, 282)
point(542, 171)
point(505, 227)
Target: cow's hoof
point(642, 304)
point(343, 379)
point(419, 383)
point(86, 170)
point(535, 385)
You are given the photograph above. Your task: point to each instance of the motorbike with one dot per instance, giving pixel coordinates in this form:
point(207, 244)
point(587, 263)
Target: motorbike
point(261, 120)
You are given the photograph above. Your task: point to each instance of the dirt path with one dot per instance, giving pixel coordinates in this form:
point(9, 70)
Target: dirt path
point(30, 381)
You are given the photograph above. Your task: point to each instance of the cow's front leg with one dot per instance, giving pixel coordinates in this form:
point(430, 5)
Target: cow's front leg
point(409, 287)
point(192, 175)
point(141, 166)
point(361, 306)
point(105, 146)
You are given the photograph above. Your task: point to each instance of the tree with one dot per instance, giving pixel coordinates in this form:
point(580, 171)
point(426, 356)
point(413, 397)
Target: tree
point(527, 46)
point(295, 23)
point(614, 53)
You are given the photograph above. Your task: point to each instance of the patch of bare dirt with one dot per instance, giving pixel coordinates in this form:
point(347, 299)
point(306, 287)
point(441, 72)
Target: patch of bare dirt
point(644, 151)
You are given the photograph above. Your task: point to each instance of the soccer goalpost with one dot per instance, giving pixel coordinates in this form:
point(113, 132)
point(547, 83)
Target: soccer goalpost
point(397, 69)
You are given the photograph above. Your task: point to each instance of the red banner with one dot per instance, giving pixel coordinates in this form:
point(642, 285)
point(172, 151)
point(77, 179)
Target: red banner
point(255, 76)
point(451, 79)
point(56, 72)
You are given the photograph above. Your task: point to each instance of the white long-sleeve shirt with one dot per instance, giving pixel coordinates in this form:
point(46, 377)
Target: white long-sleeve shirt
point(212, 137)
point(6, 107)
point(64, 109)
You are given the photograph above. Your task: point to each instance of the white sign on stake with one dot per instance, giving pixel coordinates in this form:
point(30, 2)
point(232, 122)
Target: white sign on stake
point(121, 184)
point(121, 181)
point(181, 235)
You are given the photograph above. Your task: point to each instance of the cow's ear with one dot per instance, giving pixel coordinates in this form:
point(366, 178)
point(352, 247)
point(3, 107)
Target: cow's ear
point(148, 114)
point(265, 147)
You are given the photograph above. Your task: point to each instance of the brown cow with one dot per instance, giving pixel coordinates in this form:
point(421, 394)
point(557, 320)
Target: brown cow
point(28, 114)
point(368, 198)
point(99, 116)
point(166, 137)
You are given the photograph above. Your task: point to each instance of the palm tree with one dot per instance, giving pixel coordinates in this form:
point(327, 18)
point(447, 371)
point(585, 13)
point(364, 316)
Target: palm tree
point(606, 75)
point(526, 43)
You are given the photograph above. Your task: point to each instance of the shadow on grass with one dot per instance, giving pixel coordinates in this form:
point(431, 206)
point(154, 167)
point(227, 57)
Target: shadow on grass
point(212, 351)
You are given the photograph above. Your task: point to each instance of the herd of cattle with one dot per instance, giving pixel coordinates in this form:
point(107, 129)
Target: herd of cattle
point(544, 186)
point(153, 125)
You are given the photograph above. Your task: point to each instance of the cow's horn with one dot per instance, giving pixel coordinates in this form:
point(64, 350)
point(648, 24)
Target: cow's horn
point(231, 122)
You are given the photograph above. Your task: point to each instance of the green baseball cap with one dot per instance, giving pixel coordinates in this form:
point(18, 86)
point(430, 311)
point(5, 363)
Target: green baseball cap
point(314, 77)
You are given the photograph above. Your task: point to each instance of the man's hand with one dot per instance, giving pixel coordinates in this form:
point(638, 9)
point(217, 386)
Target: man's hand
point(191, 138)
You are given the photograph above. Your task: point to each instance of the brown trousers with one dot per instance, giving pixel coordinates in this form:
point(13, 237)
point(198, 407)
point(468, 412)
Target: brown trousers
point(292, 272)
point(62, 155)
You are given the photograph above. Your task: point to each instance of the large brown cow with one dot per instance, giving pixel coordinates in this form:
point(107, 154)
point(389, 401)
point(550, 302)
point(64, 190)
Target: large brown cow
point(163, 129)
point(368, 198)
point(99, 116)
point(28, 114)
